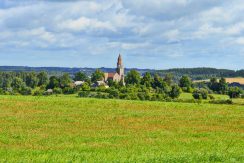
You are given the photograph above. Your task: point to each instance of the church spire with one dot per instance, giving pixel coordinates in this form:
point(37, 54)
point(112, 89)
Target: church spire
point(119, 63)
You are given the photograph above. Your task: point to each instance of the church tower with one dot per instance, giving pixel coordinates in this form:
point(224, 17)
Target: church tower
point(120, 68)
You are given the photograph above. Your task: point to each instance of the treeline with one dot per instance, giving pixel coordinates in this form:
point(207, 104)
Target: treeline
point(193, 73)
point(149, 86)
point(215, 86)
point(202, 73)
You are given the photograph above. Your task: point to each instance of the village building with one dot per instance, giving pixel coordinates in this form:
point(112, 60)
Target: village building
point(118, 75)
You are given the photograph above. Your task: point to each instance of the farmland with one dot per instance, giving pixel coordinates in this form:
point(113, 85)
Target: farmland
point(66, 128)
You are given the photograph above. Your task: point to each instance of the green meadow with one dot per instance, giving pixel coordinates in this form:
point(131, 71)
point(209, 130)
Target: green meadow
point(71, 129)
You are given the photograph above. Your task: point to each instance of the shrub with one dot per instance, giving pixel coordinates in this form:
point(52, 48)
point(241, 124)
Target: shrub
point(38, 93)
point(1, 91)
point(57, 91)
point(84, 94)
point(211, 97)
point(234, 92)
point(141, 96)
point(85, 87)
point(26, 91)
point(175, 91)
point(68, 90)
point(229, 101)
point(200, 94)
point(242, 96)
point(113, 93)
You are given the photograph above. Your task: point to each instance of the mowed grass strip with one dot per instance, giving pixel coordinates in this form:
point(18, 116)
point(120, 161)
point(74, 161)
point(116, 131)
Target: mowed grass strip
point(62, 129)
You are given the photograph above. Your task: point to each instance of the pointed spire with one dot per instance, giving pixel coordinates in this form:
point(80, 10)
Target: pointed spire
point(119, 63)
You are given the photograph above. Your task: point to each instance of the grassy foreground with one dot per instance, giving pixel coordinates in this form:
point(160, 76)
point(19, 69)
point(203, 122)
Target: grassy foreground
point(62, 129)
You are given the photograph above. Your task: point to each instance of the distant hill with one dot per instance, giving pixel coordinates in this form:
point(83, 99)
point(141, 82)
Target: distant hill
point(195, 73)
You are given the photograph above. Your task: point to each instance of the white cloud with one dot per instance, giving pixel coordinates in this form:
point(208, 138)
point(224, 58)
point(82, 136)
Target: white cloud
point(83, 24)
point(240, 41)
point(158, 28)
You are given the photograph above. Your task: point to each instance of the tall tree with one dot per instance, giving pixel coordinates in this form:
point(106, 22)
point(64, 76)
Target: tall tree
point(65, 80)
point(17, 84)
point(157, 81)
point(168, 78)
point(31, 80)
point(98, 75)
point(42, 78)
point(185, 81)
point(223, 86)
point(133, 77)
point(147, 80)
point(80, 76)
point(53, 82)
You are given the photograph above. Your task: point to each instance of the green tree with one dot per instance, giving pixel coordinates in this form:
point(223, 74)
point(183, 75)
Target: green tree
point(17, 84)
point(200, 93)
point(85, 87)
point(31, 80)
point(98, 75)
point(175, 91)
point(168, 79)
point(133, 77)
point(42, 78)
point(185, 83)
point(223, 86)
point(234, 92)
point(53, 82)
point(80, 76)
point(147, 80)
point(214, 85)
point(157, 81)
point(65, 80)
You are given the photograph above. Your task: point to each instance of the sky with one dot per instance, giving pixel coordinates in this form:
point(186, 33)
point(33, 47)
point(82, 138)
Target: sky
point(155, 34)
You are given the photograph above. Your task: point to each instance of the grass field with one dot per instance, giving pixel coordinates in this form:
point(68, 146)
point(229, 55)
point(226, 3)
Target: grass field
point(70, 129)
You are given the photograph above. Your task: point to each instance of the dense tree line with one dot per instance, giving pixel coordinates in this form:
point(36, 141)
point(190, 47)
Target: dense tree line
point(137, 87)
point(201, 73)
point(149, 86)
point(194, 73)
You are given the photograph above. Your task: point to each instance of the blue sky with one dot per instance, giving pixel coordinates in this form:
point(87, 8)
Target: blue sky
point(157, 34)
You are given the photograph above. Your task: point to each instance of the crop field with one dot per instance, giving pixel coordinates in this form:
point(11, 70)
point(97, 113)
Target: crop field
point(235, 80)
point(71, 129)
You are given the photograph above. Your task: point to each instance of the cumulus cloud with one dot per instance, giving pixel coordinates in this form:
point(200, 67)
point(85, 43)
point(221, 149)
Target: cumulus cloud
point(160, 30)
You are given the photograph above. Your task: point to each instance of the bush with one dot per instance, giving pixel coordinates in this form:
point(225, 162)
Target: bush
point(85, 87)
point(200, 94)
point(229, 101)
point(1, 91)
point(175, 91)
point(57, 91)
point(113, 93)
point(26, 91)
point(211, 97)
point(68, 90)
point(234, 92)
point(84, 93)
point(38, 93)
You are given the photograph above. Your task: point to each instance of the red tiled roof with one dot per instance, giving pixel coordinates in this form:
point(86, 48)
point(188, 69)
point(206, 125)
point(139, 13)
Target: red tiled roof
point(111, 74)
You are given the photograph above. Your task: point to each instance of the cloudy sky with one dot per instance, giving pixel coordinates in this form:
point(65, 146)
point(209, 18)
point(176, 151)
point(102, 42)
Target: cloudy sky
point(156, 34)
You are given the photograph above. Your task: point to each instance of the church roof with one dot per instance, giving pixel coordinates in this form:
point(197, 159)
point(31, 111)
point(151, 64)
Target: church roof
point(119, 60)
point(111, 74)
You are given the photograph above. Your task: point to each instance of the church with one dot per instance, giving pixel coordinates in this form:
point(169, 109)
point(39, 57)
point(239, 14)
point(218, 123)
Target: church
point(119, 74)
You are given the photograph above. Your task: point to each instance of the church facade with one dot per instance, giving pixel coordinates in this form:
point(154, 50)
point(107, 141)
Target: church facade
point(119, 74)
